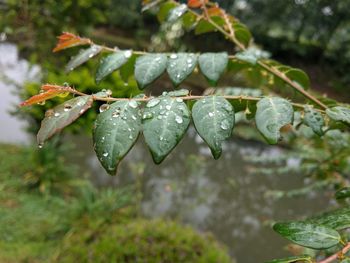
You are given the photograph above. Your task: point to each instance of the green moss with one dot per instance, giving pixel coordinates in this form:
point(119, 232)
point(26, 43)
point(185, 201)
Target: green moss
point(142, 241)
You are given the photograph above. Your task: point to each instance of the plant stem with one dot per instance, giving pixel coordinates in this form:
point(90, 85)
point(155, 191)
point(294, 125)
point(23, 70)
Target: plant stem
point(337, 255)
point(277, 73)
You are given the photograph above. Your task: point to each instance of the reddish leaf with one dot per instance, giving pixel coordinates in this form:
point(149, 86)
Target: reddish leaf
point(215, 11)
point(196, 3)
point(50, 91)
point(67, 40)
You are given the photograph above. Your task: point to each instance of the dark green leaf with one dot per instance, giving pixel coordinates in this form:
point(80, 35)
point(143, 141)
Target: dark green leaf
point(116, 131)
point(82, 57)
point(242, 33)
point(128, 69)
point(214, 119)
point(213, 65)
point(339, 113)
point(308, 234)
point(298, 76)
point(314, 120)
point(111, 63)
point(177, 12)
point(338, 219)
point(149, 67)
point(271, 115)
point(61, 116)
point(164, 10)
point(165, 121)
point(180, 66)
point(301, 258)
point(343, 193)
point(189, 21)
point(203, 26)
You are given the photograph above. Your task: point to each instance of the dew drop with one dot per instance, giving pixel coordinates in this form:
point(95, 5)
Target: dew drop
point(168, 107)
point(147, 115)
point(104, 107)
point(161, 138)
point(128, 53)
point(179, 100)
point(116, 113)
point(211, 114)
point(130, 137)
point(173, 56)
point(133, 104)
point(134, 117)
point(152, 103)
point(178, 119)
point(105, 154)
point(225, 125)
point(159, 117)
point(40, 145)
point(57, 114)
point(67, 107)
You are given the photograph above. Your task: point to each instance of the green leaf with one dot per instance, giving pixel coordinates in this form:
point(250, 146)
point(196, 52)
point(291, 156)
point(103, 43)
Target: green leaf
point(314, 120)
point(346, 260)
point(308, 234)
point(343, 193)
point(213, 65)
point(127, 70)
point(180, 66)
point(337, 219)
point(177, 12)
point(111, 63)
point(164, 10)
point(165, 121)
point(242, 33)
point(189, 21)
point(339, 113)
point(298, 76)
point(82, 57)
point(301, 258)
point(271, 115)
point(214, 119)
point(203, 26)
point(178, 93)
point(251, 55)
point(116, 131)
point(61, 116)
point(149, 67)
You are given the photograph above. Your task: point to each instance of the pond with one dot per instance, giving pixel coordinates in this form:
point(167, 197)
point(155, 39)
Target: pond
point(221, 197)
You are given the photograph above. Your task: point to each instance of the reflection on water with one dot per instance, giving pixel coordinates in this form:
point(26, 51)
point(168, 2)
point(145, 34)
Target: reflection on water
point(216, 196)
point(14, 72)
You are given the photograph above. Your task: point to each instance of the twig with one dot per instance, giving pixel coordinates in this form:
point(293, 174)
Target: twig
point(338, 255)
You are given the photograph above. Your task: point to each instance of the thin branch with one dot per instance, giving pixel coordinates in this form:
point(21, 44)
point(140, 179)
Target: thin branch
point(338, 255)
point(272, 70)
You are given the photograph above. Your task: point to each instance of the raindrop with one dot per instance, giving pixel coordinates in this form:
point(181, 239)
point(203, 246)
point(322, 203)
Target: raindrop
point(179, 100)
point(159, 117)
point(225, 125)
point(161, 138)
point(147, 115)
point(134, 117)
point(105, 154)
point(133, 104)
point(108, 92)
point(189, 60)
point(152, 103)
point(67, 107)
point(173, 56)
point(57, 114)
point(130, 137)
point(178, 119)
point(116, 113)
point(168, 107)
point(164, 93)
point(124, 118)
point(211, 114)
point(128, 53)
point(104, 107)
point(40, 145)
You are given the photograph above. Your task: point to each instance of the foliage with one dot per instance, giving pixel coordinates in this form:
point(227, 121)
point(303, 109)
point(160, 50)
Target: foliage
point(142, 241)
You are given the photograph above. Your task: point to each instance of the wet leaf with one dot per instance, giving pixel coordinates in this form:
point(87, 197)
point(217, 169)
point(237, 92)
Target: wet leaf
point(314, 120)
point(214, 119)
point(178, 93)
point(165, 121)
point(82, 57)
point(213, 65)
point(61, 116)
point(196, 3)
point(308, 234)
point(111, 63)
point(251, 55)
point(148, 68)
point(68, 40)
point(337, 219)
point(301, 258)
point(271, 115)
point(180, 66)
point(177, 12)
point(50, 92)
point(343, 194)
point(339, 113)
point(116, 130)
